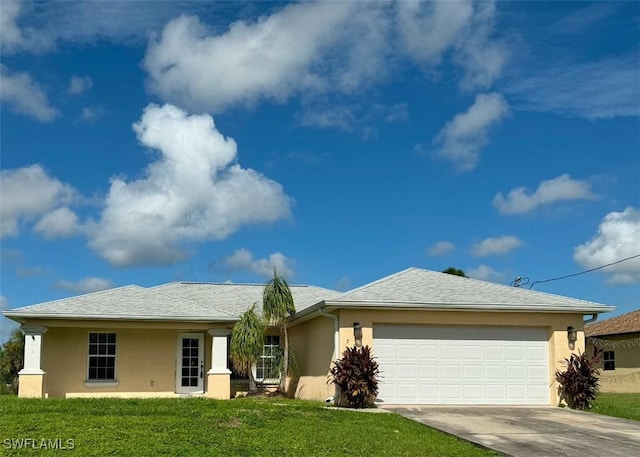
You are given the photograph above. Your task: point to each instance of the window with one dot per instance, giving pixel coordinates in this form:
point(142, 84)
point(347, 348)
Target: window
point(267, 365)
point(609, 360)
point(102, 357)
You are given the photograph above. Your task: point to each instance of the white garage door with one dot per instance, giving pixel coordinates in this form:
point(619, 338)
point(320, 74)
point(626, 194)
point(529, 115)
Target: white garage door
point(462, 365)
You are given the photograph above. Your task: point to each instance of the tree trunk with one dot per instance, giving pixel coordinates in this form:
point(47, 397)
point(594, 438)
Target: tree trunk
point(285, 365)
point(252, 381)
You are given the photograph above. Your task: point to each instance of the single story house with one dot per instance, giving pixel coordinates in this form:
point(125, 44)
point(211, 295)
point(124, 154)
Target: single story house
point(438, 338)
point(619, 339)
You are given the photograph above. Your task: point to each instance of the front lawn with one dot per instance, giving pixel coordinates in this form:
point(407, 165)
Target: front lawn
point(193, 427)
point(626, 406)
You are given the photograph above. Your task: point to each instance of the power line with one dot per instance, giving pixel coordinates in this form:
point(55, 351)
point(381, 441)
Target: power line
point(585, 271)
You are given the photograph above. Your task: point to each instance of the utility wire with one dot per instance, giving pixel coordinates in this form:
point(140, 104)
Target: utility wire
point(583, 272)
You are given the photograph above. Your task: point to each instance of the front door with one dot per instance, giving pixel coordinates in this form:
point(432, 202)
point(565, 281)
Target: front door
point(190, 363)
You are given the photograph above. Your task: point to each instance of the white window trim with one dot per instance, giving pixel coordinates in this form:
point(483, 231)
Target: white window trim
point(254, 370)
point(102, 382)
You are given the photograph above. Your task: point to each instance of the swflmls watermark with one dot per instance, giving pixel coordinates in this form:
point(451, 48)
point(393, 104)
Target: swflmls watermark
point(60, 444)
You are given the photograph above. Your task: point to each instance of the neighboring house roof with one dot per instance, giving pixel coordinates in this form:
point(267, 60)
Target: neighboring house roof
point(625, 323)
point(426, 289)
point(187, 301)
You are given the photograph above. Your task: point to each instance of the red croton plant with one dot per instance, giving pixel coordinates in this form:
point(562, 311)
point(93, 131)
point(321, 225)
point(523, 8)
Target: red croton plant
point(579, 381)
point(356, 376)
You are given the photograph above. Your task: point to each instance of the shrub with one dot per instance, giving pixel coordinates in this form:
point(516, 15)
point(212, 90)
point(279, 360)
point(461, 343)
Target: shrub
point(356, 376)
point(11, 362)
point(579, 383)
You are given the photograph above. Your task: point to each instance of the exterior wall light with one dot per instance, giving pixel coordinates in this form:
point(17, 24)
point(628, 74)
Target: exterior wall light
point(572, 334)
point(357, 333)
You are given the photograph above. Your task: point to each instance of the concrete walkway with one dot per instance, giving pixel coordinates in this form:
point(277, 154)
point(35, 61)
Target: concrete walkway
point(532, 431)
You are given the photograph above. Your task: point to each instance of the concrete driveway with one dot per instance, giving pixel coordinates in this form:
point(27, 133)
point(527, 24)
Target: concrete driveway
point(532, 431)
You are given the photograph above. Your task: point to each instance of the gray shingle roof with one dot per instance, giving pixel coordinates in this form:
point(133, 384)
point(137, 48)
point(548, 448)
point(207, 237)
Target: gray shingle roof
point(235, 299)
point(128, 302)
point(173, 301)
point(411, 288)
point(419, 286)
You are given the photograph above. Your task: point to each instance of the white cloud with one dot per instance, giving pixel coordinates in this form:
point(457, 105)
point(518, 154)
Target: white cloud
point(485, 273)
point(270, 58)
point(562, 188)
point(85, 286)
point(618, 237)
point(496, 246)
point(29, 193)
point(58, 223)
point(90, 114)
point(27, 26)
point(15, 38)
point(482, 57)
point(608, 88)
point(428, 29)
point(340, 117)
point(398, 113)
point(194, 191)
point(80, 84)
point(462, 138)
point(24, 96)
point(243, 259)
point(441, 248)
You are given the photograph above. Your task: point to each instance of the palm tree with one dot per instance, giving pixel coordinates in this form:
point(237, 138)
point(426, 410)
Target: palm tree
point(277, 306)
point(247, 340)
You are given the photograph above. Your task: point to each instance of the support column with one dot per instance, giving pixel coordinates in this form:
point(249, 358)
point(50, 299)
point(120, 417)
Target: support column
point(219, 376)
point(31, 380)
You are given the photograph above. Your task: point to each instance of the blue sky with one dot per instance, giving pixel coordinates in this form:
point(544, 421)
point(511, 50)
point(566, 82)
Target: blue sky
point(154, 141)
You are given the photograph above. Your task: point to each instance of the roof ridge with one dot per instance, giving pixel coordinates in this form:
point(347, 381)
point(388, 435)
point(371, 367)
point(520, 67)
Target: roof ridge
point(462, 278)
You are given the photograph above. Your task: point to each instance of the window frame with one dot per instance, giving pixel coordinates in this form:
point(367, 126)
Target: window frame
point(609, 360)
point(267, 343)
point(113, 356)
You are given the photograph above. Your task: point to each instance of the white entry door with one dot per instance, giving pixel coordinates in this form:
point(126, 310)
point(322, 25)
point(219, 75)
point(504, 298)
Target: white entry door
point(190, 363)
point(425, 364)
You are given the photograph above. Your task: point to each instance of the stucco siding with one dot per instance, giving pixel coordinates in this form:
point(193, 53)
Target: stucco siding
point(313, 343)
point(145, 362)
point(555, 325)
point(626, 376)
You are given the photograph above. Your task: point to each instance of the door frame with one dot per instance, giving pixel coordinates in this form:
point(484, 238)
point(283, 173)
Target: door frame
point(199, 389)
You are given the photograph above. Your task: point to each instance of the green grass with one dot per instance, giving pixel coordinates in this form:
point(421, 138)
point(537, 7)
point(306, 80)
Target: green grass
point(626, 406)
point(240, 427)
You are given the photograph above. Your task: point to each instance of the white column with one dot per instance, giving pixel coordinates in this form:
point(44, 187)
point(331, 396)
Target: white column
point(32, 349)
point(219, 360)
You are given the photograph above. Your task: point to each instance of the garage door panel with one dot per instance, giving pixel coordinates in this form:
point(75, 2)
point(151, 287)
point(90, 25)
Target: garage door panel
point(450, 372)
point(493, 352)
point(515, 373)
point(407, 371)
point(428, 370)
point(493, 371)
point(471, 352)
point(514, 353)
point(472, 372)
point(459, 364)
point(428, 351)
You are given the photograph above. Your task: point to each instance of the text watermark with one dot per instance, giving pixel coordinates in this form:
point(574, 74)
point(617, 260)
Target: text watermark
point(60, 444)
